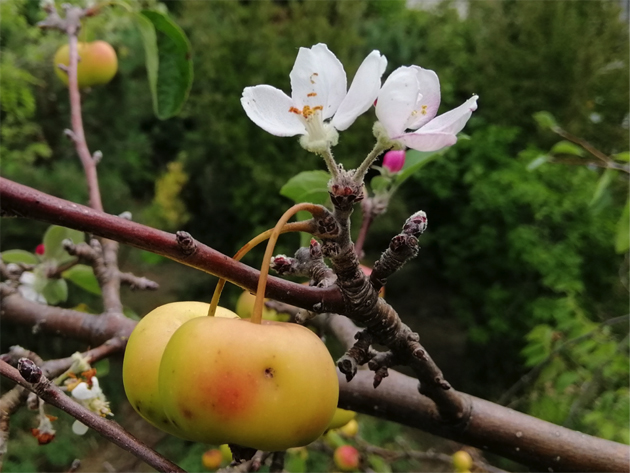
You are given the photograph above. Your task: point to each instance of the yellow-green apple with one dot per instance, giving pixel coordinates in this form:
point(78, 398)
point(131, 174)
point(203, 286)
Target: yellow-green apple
point(97, 63)
point(351, 429)
point(347, 458)
point(212, 459)
point(245, 307)
point(226, 452)
point(144, 352)
point(462, 461)
point(341, 418)
point(268, 386)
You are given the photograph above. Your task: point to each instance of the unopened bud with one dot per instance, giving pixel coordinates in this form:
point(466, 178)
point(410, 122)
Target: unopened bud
point(416, 224)
point(394, 160)
point(281, 264)
point(29, 370)
point(39, 249)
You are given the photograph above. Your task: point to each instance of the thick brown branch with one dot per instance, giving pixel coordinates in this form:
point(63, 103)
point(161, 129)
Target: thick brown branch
point(500, 430)
point(95, 329)
point(16, 199)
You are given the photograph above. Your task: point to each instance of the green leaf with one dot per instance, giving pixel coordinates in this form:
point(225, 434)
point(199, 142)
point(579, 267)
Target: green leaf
point(83, 276)
point(414, 161)
point(622, 240)
point(566, 147)
point(168, 60)
point(378, 464)
point(19, 256)
point(539, 161)
point(54, 236)
point(102, 367)
point(379, 183)
point(604, 181)
point(623, 157)
point(308, 186)
point(545, 120)
point(55, 291)
point(130, 313)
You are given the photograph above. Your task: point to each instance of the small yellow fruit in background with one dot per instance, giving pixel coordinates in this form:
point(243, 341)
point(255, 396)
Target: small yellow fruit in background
point(341, 418)
point(143, 354)
point(245, 307)
point(97, 63)
point(226, 452)
point(212, 459)
point(350, 429)
point(462, 461)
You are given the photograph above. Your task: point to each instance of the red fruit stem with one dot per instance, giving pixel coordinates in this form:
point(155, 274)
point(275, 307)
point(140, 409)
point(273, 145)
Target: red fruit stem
point(271, 244)
point(305, 226)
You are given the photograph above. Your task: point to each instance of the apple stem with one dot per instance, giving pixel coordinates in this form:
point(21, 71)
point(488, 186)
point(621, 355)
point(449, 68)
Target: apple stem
point(307, 226)
point(271, 244)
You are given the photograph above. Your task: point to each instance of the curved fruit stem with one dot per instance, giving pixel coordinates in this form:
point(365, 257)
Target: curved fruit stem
point(271, 244)
point(304, 226)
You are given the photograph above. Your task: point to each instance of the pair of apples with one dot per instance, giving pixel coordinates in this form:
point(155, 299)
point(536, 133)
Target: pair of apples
point(97, 63)
point(226, 380)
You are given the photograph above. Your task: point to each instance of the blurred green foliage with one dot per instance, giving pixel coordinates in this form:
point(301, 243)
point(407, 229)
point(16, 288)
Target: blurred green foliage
point(522, 256)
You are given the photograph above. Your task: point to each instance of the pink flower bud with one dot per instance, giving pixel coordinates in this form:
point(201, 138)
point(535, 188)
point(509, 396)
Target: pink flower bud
point(40, 249)
point(394, 160)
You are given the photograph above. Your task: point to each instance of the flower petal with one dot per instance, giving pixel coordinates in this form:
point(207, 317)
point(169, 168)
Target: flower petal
point(454, 120)
point(432, 141)
point(79, 428)
point(363, 90)
point(318, 80)
point(397, 99)
point(429, 98)
point(268, 108)
point(82, 392)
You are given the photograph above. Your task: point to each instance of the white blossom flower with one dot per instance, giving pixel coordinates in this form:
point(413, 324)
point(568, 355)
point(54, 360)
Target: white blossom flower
point(92, 398)
point(320, 103)
point(406, 109)
point(30, 287)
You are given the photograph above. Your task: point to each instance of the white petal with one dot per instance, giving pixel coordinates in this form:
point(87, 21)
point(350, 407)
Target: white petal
point(269, 108)
point(82, 392)
point(363, 90)
point(30, 294)
point(429, 98)
point(397, 99)
point(318, 80)
point(78, 428)
point(27, 278)
point(454, 120)
point(431, 141)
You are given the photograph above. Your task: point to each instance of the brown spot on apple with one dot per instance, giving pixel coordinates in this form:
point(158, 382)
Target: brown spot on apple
point(269, 372)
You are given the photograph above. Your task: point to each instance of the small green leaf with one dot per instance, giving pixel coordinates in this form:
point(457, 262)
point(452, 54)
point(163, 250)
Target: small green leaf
point(604, 181)
point(566, 147)
point(539, 161)
point(55, 291)
point(378, 464)
point(308, 186)
point(83, 276)
point(622, 240)
point(102, 367)
point(130, 313)
point(623, 157)
point(168, 60)
point(545, 120)
point(19, 256)
point(379, 184)
point(53, 249)
point(414, 161)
